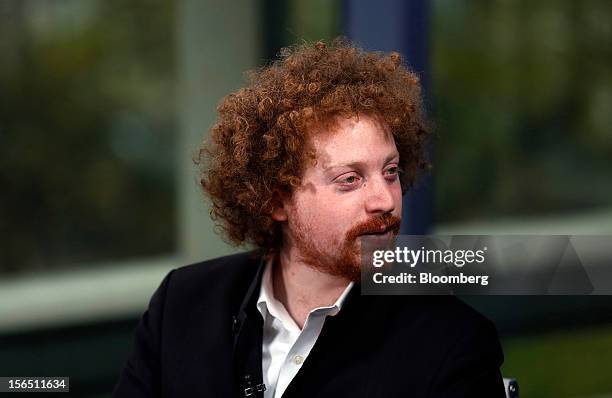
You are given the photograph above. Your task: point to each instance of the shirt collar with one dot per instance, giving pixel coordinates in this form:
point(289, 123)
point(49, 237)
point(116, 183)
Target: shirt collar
point(267, 304)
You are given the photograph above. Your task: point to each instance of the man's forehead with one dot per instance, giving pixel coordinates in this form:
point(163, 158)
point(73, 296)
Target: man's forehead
point(353, 140)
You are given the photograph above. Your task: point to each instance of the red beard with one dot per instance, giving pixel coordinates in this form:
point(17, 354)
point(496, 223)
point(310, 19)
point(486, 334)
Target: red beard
point(346, 262)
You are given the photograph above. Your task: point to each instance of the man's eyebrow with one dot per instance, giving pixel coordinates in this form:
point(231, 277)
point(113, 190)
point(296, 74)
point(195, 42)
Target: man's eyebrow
point(357, 163)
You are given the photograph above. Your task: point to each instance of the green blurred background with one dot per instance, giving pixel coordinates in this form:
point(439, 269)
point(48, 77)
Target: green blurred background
point(103, 103)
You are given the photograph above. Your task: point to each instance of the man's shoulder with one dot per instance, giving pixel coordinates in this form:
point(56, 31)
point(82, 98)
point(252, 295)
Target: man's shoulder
point(452, 309)
point(436, 329)
point(226, 267)
point(214, 278)
point(442, 318)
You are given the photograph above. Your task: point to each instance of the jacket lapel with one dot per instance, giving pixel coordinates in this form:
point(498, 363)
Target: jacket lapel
point(248, 334)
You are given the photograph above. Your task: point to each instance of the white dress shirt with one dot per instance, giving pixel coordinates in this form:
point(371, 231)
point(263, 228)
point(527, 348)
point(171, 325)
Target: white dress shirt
point(285, 347)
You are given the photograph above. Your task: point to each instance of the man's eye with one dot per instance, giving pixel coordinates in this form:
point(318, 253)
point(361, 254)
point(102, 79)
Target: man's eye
point(392, 171)
point(349, 181)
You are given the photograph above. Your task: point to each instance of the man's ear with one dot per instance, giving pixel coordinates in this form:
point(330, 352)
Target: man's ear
point(280, 201)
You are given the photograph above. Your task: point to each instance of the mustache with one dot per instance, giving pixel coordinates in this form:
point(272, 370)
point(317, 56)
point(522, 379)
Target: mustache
point(377, 225)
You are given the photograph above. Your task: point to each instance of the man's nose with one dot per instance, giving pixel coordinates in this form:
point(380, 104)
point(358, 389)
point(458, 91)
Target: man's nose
point(379, 196)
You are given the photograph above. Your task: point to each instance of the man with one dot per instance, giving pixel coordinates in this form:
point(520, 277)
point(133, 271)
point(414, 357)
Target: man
point(311, 156)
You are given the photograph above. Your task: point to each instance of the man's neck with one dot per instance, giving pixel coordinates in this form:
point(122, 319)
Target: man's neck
point(302, 288)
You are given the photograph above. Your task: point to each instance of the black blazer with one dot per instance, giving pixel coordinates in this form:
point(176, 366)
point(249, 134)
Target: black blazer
point(201, 336)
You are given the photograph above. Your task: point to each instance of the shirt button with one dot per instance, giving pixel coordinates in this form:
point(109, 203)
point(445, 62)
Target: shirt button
point(298, 359)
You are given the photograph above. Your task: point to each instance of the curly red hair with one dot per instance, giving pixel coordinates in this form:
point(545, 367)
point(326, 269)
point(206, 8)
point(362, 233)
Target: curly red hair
point(259, 143)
